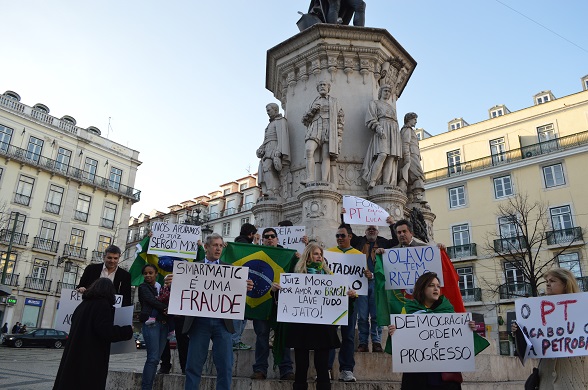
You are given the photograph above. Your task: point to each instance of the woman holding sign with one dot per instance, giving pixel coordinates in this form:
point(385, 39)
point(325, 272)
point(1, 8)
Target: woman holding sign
point(428, 299)
point(566, 373)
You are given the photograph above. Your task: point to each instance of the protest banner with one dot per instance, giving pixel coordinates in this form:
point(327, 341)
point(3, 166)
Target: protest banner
point(208, 290)
point(352, 267)
point(70, 299)
point(403, 266)
point(522, 344)
point(556, 325)
point(123, 316)
point(172, 239)
point(289, 236)
point(359, 211)
point(432, 343)
point(313, 299)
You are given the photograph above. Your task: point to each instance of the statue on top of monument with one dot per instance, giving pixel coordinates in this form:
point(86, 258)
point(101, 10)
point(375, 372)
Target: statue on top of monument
point(385, 148)
point(324, 122)
point(412, 178)
point(274, 152)
point(334, 12)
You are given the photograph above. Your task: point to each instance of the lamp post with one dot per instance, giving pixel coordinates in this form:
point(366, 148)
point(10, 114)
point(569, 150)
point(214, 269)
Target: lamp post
point(67, 261)
point(196, 220)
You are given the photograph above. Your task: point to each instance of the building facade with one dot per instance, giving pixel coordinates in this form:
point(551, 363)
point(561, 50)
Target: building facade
point(65, 195)
point(474, 172)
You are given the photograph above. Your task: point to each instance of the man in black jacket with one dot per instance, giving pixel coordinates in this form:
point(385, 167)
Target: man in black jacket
point(109, 269)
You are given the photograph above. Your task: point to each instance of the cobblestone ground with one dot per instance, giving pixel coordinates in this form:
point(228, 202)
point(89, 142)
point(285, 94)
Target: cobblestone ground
point(35, 368)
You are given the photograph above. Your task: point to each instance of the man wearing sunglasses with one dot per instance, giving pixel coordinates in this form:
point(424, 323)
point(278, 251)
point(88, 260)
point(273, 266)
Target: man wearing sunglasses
point(262, 331)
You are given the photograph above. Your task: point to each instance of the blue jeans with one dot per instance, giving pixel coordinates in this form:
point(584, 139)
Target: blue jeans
point(201, 332)
point(239, 328)
point(346, 358)
point(262, 350)
point(365, 305)
point(155, 336)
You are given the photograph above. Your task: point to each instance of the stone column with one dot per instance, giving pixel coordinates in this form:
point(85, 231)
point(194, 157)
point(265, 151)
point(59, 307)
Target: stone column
point(320, 211)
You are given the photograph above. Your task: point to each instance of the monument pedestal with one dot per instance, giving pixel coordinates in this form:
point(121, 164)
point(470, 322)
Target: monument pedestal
point(390, 198)
point(320, 211)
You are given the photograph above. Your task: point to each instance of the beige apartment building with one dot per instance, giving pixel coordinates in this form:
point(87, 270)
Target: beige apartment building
point(65, 195)
point(540, 152)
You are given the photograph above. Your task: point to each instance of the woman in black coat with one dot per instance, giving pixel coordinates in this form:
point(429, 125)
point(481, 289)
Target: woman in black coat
point(84, 363)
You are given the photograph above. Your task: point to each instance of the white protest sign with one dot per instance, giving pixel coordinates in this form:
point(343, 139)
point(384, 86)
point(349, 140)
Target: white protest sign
point(172, 239)
point(432, 343)
point(351, 266)
point(289, 236)
point(359, 211)
point(123, 316)
point(403, 266)
point(208, 290)
point(70, 300)
point(556, 325)
point(313, 299)
point(523, 344)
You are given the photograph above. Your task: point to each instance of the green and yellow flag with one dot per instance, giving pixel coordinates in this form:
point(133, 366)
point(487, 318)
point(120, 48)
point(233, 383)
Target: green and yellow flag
point(265, 263)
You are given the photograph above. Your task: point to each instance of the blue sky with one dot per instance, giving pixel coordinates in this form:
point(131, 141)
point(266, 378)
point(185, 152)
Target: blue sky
point(183, 81)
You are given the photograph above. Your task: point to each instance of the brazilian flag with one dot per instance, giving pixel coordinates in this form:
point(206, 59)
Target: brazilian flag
point(265, 263)
point(164, 264)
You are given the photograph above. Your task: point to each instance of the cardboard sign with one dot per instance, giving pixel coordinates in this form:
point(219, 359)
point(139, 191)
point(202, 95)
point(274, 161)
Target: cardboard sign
point(172, 239)
point(403, 266)
point(432, 343)
point(523, 344)
point(352, 267)
point(208, 290)
point(289, 236)
point(123, 316)
point(556, 325)
point(70, 299)
point(313, 299)
point(359, 211)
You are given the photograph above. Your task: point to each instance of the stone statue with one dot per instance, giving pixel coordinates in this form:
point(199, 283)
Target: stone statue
point(274, 152)
point(412, 178)
point(334, 12)
point(418, 224)
point(385, 148)
point(324, 121)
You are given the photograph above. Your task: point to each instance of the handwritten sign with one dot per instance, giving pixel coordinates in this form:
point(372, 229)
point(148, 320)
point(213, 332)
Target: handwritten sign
point(313, 299)
point(70, 300)
point(352, 267)
point(172, 239)
point(403, 266)
point(432, 343)
point(208, 290)
point(289, 236)
point(556, 325)
point(123, 316)
point(360, 211)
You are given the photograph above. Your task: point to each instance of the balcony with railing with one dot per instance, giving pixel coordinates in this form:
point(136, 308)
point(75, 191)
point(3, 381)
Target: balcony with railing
point(75, 251)
point(18, 239)
point(97, 257)
point(37, 284)
point(52, 208)
point(53, 166)
point(525, 152)
point(107, 223)
point(10, 280)
point(81, 216)
point(45, 244)
point(133, 238)
point(514, 290)
point(564, 236)
point(61, 285)
point(459, 251)
point(471, 294)
point(510, 244)
point(583, 283)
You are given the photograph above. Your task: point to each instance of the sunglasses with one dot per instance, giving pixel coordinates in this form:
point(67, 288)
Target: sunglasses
point(340, 235)
point(268, 236)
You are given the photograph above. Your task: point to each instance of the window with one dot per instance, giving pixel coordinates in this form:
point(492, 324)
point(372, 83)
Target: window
point(11, 265)
point(108, 215)
point(213, 211)
point(461, 234)
point(76, 239)
point(497, 150)
point(243, 186)
point(547, 137)
point(90, 168)
point(226, 229)
point(142, 231)
point(554, 175)
point(457, 196)
point(570, 261)
point(40, 268)
point(542, 99)
point(24, 190)
point(454, 161)
point(515, 279)
point(5, 137)
point(54, 199)
point(19, 237)
point(63, 159)
point(455, 126)
point(34, 149)
point(497, 113)
point(71, 277)
point(502, 187)
point(103, 243)
point(508, 227)
point(248, 202)
point(510, 239)
point(48, 230)
point(561, 218)
point(230, 207)
point(227, 191)
point(244, 221)
point(115, 178)
point(466, 282)
point(82, 208)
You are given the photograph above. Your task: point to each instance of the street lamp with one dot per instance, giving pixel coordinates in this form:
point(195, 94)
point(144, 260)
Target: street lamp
point(67, 261)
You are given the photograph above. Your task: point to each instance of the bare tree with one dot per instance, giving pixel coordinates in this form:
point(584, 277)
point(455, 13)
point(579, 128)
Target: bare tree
point(524, 233)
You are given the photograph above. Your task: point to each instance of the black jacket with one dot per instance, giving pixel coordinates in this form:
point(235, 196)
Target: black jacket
point(148, 300)
point(122, 281)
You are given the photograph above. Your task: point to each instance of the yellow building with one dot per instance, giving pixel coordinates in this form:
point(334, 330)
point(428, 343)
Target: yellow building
point(539, 152)
point(65, 195)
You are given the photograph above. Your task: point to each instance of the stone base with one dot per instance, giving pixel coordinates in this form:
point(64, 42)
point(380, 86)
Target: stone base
point(320, 211)
point(390, 198)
